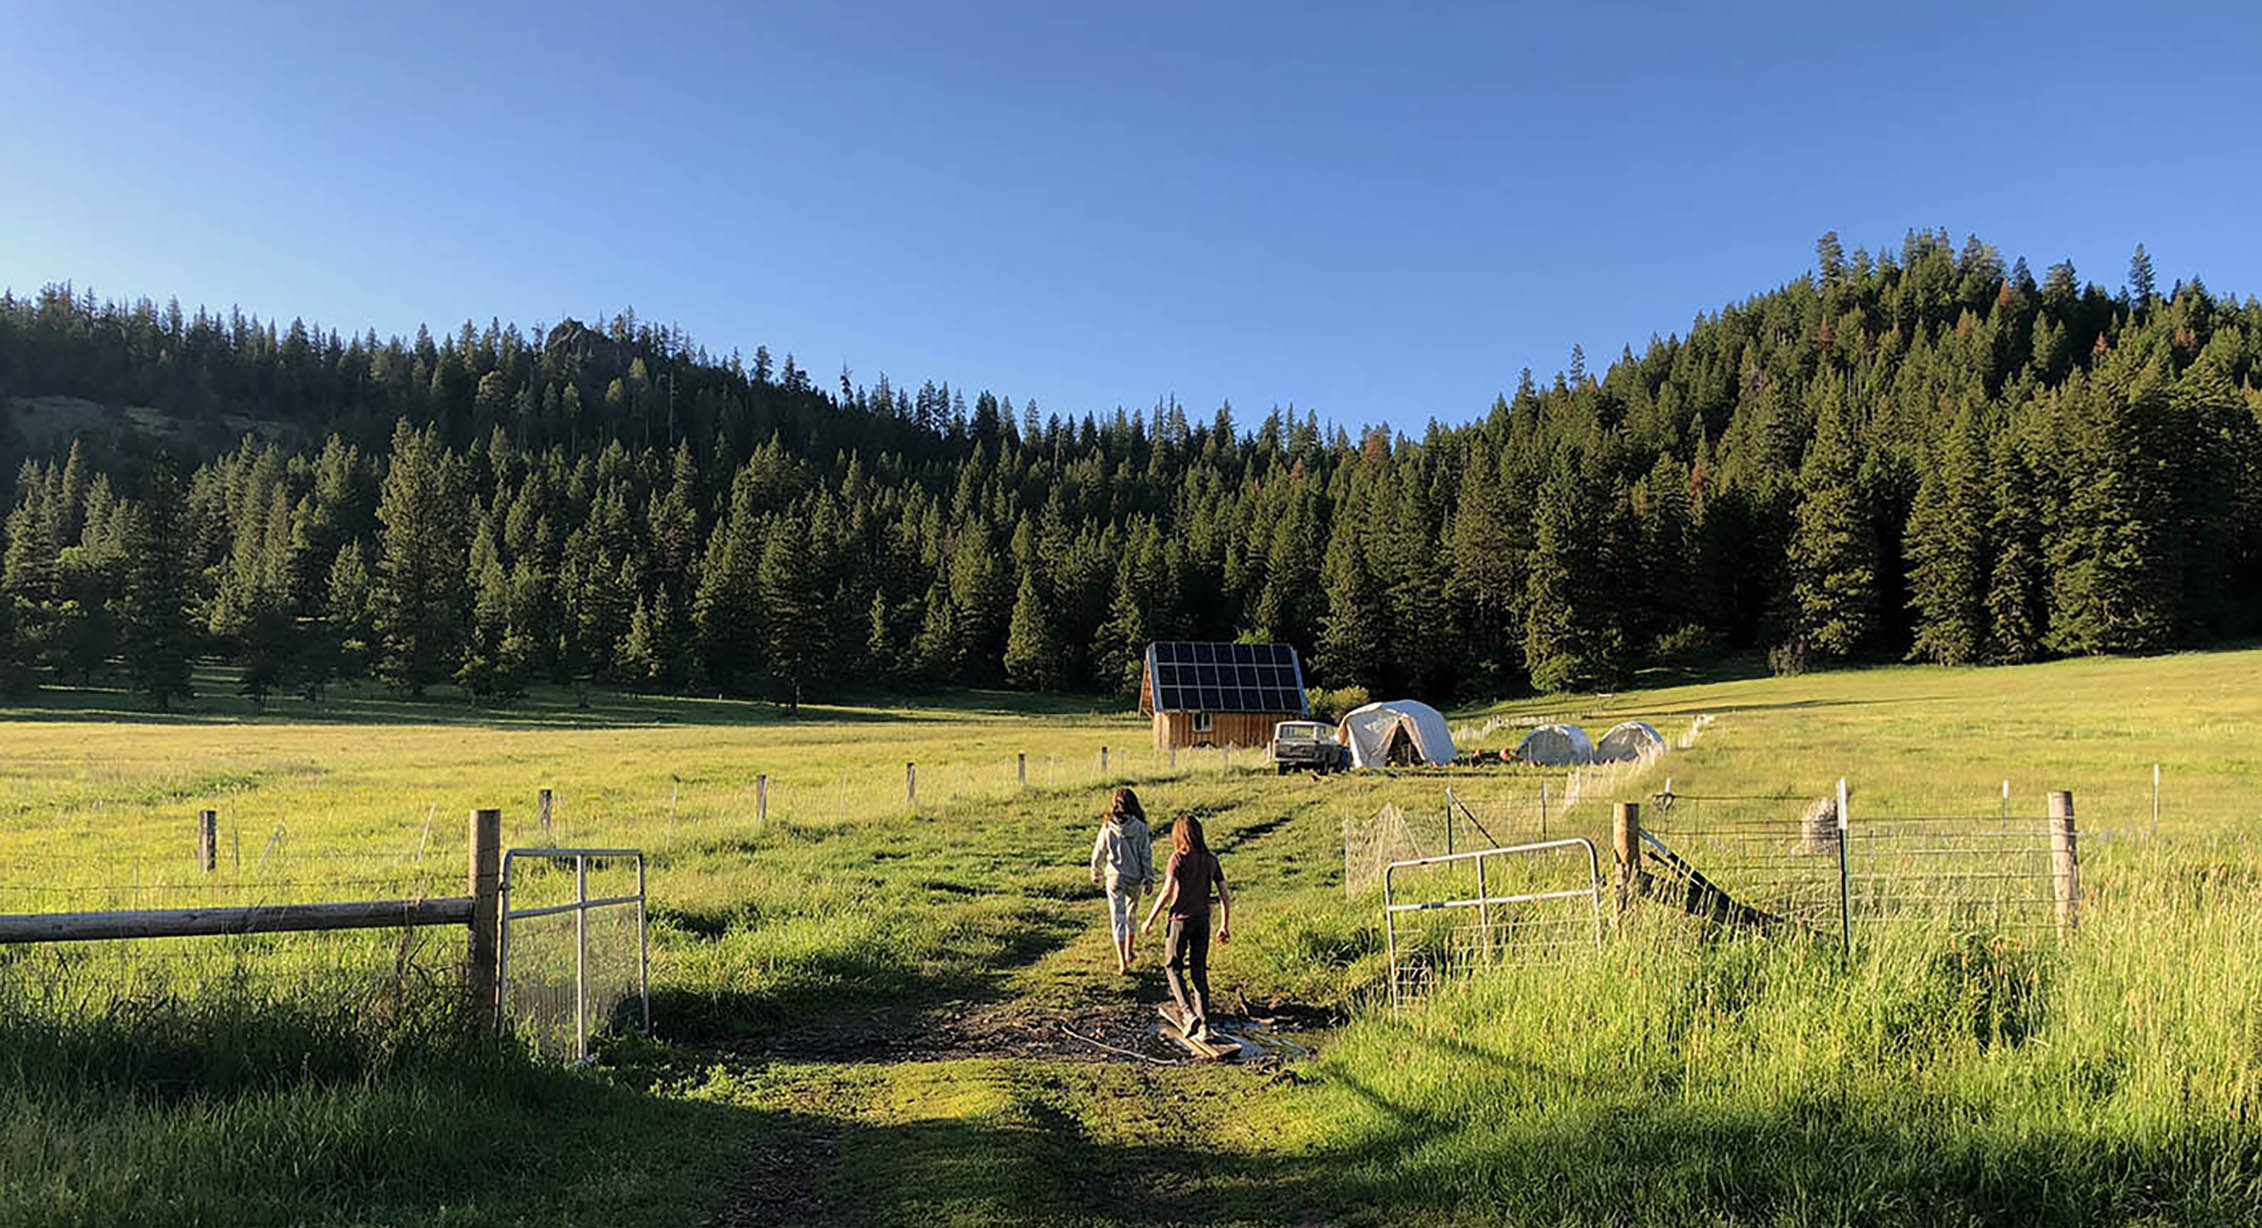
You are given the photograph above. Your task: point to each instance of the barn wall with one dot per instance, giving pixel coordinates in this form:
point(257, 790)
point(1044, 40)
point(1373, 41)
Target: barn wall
point(1226, 729)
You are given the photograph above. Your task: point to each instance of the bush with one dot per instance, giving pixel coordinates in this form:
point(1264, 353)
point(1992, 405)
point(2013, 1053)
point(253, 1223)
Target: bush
point(1787, 658)
point(1330, 706)
point(1687, 645)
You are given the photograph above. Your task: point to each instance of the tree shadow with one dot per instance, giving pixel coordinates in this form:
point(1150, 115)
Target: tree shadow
point(543, 707)
point(1604, 1156)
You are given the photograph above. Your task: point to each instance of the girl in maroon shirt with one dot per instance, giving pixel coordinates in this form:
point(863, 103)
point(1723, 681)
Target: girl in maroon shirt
point(1186, 885)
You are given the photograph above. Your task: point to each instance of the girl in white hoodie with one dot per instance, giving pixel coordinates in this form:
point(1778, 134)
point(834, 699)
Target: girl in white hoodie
point(1123, 862)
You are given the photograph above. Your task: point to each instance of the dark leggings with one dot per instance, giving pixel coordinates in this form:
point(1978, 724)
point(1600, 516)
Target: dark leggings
point(1189, 950)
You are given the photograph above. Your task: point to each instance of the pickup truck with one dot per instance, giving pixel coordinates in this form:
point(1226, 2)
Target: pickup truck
point(1305, 746)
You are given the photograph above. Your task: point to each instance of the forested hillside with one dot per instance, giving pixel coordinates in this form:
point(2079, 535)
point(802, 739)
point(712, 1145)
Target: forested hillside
point(1914, 454)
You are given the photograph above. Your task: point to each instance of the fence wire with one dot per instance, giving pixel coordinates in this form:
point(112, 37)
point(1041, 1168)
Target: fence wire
point(1774, 859)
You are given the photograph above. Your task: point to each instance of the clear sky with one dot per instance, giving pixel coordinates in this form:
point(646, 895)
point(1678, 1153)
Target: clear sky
point(1380, 211)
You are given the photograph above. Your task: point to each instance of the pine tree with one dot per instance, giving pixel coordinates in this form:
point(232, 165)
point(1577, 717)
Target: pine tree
point(1353, 631)
point(723, 616)
point(420, 574)
point(1948, 549)
point(349, 615)
point(2113, 571)
point(982, 601)
point(1833, 548)
point(28, 570)
point(1124, 636)
point(791, 608)
point(1032, 645)
point(157, 622)
point(15, 671)
point(1487, 578)
point(2142, 287)
point(495, 656)
point(2018, 582)
point(649, 655)
point(1572, 641)
point(1830, 258)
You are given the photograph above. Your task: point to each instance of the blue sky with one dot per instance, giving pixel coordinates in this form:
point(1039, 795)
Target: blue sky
point(1379, 212)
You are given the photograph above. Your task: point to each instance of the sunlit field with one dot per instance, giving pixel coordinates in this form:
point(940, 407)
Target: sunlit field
point(868, 1007)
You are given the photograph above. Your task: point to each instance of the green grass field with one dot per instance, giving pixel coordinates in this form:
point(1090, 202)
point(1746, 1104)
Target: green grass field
point(860, 1002)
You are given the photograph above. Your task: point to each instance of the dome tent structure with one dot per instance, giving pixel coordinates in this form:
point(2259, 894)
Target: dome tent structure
point(1397, 733)
point(1629, 742)
point(1555, 746)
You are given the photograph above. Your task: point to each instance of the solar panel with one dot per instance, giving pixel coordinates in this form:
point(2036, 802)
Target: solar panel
point(1207, 676)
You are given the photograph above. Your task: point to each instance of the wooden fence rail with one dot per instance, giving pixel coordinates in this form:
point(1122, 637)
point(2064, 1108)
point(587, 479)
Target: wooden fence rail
point(251, 919)
point(478, 910)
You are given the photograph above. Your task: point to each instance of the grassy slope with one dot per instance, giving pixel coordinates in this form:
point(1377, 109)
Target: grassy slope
point(1936, 1081)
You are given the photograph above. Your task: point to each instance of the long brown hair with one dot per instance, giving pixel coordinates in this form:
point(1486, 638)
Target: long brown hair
point(1186, 835)
point(1125, 805)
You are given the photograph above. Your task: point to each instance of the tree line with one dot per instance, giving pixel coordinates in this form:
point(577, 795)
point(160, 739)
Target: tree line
point(1918, 454)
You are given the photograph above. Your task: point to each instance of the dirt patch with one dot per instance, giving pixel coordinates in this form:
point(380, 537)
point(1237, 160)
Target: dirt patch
point(1116, 1032)
point(785, 1164)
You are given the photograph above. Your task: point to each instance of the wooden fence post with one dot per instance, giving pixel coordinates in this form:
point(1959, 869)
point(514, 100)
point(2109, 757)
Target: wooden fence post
point(2065, 862)
point(484, 887)
point(911, 784)
point(208, 839)
point(1021, 767)
point(542, 811)
point(1103, 761)
point(761, 799)
point(1626, 851)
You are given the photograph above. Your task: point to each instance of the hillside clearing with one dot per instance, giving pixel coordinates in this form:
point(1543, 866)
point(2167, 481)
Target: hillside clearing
point(859, 1002)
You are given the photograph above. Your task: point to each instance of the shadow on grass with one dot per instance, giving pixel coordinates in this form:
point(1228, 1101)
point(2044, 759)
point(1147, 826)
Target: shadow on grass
point(1597, 1158)
point(857, 1000)
point(169, 1112)
point(217, 702)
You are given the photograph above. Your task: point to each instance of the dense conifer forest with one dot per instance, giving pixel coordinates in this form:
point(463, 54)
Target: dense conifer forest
point(1917, 454)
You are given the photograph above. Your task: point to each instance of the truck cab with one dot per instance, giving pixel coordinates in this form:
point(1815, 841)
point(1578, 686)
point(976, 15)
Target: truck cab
point(1305, 746)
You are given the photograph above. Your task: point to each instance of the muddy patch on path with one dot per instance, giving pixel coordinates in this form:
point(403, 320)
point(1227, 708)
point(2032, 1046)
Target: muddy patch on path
point(1277, 1030)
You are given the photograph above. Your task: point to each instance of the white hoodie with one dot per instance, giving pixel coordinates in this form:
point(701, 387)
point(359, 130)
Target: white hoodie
point(1123, 856)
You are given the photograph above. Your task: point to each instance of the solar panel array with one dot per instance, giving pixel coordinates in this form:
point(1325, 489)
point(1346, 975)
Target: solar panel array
point(1202, 677)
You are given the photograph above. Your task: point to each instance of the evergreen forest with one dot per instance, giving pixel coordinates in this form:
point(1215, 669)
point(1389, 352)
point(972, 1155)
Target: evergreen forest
point(1918, 454)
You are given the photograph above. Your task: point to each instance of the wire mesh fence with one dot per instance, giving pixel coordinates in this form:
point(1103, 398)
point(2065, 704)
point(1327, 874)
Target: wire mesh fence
point(1774, 854)
point(1816, 862)
point(1995, 872)
point(1393, 832)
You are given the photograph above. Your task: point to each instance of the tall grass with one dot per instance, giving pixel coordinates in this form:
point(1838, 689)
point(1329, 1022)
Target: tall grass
point(1937, 1077)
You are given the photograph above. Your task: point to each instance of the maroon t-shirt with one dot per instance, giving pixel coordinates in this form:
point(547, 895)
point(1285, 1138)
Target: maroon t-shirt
point(1194, 873)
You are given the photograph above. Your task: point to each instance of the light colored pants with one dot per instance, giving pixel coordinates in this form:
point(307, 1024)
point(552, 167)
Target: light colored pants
point(1122, 904)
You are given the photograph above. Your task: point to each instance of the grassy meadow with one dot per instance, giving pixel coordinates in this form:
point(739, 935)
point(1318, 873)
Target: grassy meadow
point(860, 1002)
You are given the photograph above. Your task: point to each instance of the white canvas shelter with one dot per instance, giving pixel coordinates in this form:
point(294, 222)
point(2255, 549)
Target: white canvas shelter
point(1628, 743)
point(1556, 746)
point(1398, 732)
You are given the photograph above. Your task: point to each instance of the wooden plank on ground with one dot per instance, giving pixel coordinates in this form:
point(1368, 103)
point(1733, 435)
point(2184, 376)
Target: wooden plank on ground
point(1175, 1027)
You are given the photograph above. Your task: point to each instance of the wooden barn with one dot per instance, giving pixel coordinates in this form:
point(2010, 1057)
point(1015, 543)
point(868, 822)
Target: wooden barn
point(1209, 694)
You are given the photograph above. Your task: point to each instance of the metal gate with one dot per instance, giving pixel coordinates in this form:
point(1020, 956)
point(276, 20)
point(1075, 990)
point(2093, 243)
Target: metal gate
point(1510, 904)
point(598, 971)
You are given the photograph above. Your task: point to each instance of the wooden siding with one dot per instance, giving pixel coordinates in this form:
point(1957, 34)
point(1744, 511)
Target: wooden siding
point(1246, 729)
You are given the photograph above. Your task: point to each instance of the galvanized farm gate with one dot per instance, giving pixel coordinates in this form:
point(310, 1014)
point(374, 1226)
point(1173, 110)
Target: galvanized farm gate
point(557, 993)
point(1513, 904)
